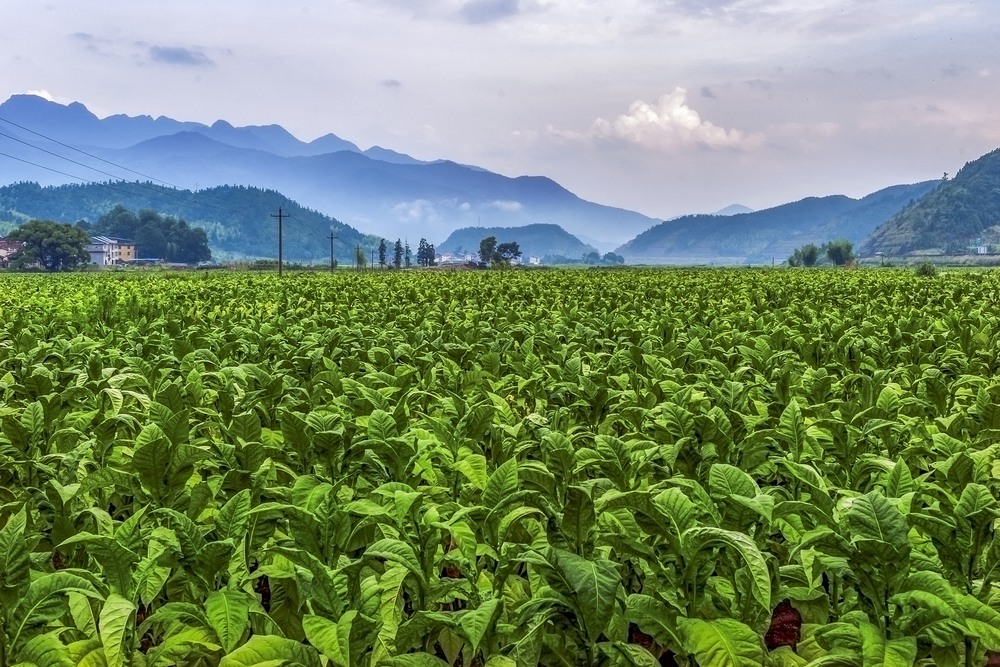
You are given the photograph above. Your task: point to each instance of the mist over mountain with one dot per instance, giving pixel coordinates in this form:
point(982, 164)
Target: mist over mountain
point(385, 193)
point(378, 190)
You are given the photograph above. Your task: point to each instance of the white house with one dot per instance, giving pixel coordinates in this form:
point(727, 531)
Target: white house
point(104, 251)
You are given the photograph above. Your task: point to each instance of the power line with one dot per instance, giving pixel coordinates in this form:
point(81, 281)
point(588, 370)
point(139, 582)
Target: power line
point(106, 185)
point(158, 191)
point(73, 148)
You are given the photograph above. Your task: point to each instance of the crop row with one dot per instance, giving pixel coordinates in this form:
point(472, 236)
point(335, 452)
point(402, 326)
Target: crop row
point(730, 467)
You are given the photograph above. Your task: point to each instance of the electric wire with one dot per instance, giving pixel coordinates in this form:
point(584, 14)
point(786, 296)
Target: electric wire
point(153, 179)
point(158, 191)
point(83, 152)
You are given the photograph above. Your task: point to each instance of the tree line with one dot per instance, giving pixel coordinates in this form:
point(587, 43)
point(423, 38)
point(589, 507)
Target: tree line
point(59, 246)
point(839, 252)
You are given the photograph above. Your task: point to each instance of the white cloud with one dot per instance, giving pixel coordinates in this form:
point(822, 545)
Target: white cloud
point(507, 205)
point(418, 210)
point(43, 94)
point(669, 124)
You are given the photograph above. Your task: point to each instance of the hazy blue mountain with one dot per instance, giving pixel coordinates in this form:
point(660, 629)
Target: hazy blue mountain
point(236, 219)
point(734, 209)
point(75, 125)
point(389, 155)
point(773, 233)
point(379, 190)
point(960, 212)
point(536, 240)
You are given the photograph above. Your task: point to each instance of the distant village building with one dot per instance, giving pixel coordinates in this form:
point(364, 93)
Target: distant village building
point(109, 251)
point(8, 248)
point(455, 258)
point(534, 261)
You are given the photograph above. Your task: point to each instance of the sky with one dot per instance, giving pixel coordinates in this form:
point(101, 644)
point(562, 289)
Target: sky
point(665, 107)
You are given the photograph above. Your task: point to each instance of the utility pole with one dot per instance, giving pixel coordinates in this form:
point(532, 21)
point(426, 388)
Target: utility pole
point(333, 261)
point(280, 216)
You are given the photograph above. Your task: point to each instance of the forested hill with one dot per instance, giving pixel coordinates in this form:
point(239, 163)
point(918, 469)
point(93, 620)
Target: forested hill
point(762, 235)
point(537, 240)
point(957, 214)
point(236, 219)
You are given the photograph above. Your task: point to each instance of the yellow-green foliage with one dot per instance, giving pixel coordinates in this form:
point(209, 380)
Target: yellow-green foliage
point(496, 468)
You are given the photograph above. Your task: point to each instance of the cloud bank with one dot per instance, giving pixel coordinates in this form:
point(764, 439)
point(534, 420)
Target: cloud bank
point(669, 124)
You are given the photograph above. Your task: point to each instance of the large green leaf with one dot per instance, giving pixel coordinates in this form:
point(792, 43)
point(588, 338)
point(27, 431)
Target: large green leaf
point(115, 624)
point(14, 559)
point(722, 643)
point(727, 480)
point(180, 648)
point(702, 537)
point(501, 483)
point(397, 551)
point(594, 586)
point(878, 528)
point(387, 596)
point(881, 652)
point(475, 623)
point(271, 651)
point(45, 651)
point(43, 602)
point(228, 612)
point(332, 639)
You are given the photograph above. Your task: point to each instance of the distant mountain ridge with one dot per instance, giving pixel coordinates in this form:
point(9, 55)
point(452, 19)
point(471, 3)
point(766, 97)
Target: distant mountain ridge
point(390, 194)
point(770, 234)
point(538, 240)
point(379, 190)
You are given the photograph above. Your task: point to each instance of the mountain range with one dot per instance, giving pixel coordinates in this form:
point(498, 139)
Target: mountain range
point(771, 234)
point(377, 190)
point(229, 180)
point(962, 213)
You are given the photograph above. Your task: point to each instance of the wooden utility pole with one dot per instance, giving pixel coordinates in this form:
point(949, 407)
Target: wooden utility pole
point(333, 262)
point(280, 216)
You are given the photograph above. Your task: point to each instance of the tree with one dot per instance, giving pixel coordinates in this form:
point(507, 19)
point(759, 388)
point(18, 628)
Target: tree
point(807, 255)
point(397, 254)
point(53, 245)
point(810, 254)
point(155, 235)
point(592, 257)
point(488, 249)
point(612, 258)
point(425, 253)
point(360, 260)
point(507, 252)
point(381, 253)
point(840, 252)
point(406, 254)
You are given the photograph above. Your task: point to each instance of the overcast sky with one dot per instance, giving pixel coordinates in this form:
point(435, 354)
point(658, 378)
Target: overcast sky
point(661, 106)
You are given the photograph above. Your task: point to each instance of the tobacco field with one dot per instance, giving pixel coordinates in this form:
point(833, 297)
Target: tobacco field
point(498, 469)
